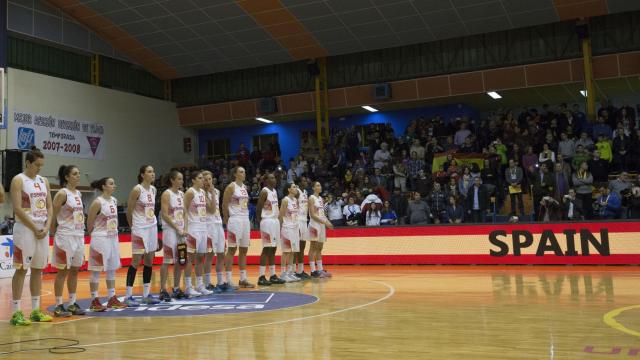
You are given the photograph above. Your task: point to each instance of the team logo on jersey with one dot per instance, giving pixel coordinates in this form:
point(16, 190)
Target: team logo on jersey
point(26, 138)
point(40, 204)
point(238, 302)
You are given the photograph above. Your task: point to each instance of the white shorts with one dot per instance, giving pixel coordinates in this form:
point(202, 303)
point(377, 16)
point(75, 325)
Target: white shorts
point(238, 232)
point(290, 239)
point(199, 242)
point(27, 250)
point(304, 230)
point(104, 253)
point(270, 232)
point(170, 241)
point(317, 232)
point(68, 251)
point(145, 240)
point(216, 232)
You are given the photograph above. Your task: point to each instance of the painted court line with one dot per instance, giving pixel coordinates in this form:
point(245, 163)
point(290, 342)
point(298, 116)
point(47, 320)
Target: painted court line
point(269, 298)
point(610, 319)
point(389, 294)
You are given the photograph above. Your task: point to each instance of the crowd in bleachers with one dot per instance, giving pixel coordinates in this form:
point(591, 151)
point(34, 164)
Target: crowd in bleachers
point(466, 170)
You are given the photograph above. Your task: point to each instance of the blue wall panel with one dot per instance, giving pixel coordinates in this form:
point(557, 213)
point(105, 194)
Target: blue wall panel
point(289, 132)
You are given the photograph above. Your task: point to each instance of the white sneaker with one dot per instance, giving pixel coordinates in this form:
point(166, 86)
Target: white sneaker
point(293, 276)
point(203, 290)
point(286, 277)
point(191, 292)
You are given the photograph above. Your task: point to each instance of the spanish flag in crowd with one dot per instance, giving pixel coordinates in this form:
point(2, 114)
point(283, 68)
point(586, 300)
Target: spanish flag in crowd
point(461, 158)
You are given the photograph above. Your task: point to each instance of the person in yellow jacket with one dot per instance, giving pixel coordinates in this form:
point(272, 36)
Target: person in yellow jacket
point(604, 146)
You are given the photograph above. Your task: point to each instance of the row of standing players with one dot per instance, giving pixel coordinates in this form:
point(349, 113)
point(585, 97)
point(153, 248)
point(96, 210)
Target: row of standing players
point(37, 215)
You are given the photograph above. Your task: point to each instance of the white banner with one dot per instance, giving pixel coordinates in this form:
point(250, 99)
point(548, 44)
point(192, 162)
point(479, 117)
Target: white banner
point(58, 136)
point(6, 256)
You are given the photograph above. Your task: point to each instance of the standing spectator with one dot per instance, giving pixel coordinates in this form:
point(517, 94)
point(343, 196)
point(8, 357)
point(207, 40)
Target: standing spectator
point(243, 156)
point(461, 134)
point(418, 211)
point(400, 176)
point(291, 173)
point(580, 156)
point(489, 175)
point(571, 207)
point(604, 147)
point(609, 204)
point(455, 212)
point(601, 128)
point(549, 210)
point(334, 210)
point(477, 201)
point(399, 204)
point(382, 156)
point(585, 141)
point(417, 148)
point(546, 155)
point(378, 181)
point(373, 215)
point(599, 168)
point(543, 185)
point(634, 203)
point(583, 183)
point(566, 147)
point(465, 182)
point(621, 185)
point(514, 176)
point(621, 147)
point(561, 180)
point(415, 165)
point(389, 216)
point(351, 212)
point(529, 159)
point(437, 202)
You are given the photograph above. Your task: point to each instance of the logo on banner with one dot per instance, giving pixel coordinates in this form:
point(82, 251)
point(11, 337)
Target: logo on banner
point(93, 143)
point(8, 243)
point(26, 138)
point(240, 302)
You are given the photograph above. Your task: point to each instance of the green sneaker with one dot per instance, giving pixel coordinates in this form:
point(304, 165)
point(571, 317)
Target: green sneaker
point(18, 319)
point(38, 316)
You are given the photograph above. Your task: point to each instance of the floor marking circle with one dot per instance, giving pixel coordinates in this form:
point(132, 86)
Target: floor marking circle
point(610, 319)
point(390, 293)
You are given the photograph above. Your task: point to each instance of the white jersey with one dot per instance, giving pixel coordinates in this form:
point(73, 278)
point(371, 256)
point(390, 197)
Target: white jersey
point(290, 219)
point(144, 210)
point(176, 209)
point(106, 223)
point(318, 203)
point(34, 198)
point(303, 203)
point(71, 216)
point(270, 210)
point(197, 212)
point(214, 217)
point(239, 203)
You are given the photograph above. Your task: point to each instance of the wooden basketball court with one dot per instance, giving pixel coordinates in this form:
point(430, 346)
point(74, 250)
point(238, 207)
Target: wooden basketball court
point(373, 312)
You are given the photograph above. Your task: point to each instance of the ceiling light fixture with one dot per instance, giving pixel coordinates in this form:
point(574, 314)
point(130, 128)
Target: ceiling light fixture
point(369, 108)
point(494, 95)
point(267, 121)
point(583, 93)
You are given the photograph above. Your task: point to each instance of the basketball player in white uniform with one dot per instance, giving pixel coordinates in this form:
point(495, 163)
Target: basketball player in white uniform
point(144, 234)
point(32, 207)
point(317, 232)
point(198, 241)
point(303, 216)
point(68, 245)
point(290, 233)
point(235, 208)
point(104, 251)
point(267, 213)
point(215, 232)
point(172, 214)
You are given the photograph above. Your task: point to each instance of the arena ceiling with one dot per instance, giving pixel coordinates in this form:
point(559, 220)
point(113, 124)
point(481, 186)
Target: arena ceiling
point(179, 38)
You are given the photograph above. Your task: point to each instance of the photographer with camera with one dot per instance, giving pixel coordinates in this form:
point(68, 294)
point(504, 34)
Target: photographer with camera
point(549, 210)
point(572, 207)
point(334, 209)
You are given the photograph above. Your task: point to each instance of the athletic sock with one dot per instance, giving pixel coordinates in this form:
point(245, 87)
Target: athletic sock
point(112, 292)
point(220, 277)
point(35, 302)
point(300, 267)
point(243, 275)
point(229, 277)
point(17, 305)
point(263, 269)
point(187, 282)
point(272, 269)
point(312, 265)
point(129, 291)
point(198, 282)
point(320, 268)
point(94, 294)
point(291, 268)
point(72, 298)
point(58, 300)
point(146, 289)
point(283, 267)
point(207, 278)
